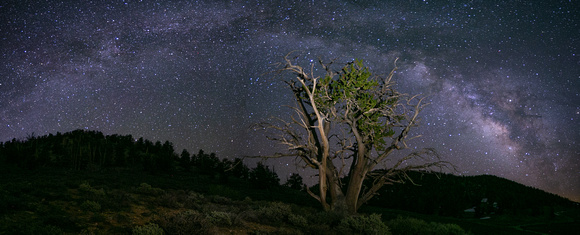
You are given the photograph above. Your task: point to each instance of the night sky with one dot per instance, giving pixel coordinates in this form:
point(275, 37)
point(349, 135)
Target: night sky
point(503, 77)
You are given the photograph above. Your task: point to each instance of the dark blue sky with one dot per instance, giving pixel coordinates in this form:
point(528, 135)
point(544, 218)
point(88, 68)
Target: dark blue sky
point(502, 77)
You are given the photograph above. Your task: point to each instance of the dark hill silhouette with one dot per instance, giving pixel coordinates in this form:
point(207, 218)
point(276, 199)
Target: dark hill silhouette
point(451, 195)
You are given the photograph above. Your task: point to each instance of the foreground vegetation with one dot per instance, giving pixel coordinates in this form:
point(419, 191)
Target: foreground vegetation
point(206, 195)
point(115, 201)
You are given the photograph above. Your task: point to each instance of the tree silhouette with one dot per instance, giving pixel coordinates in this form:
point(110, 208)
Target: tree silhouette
point(80, 149)
point(207, 164)
point(364, 117)
point(240, 170)
point(262, 177)
point(185, 160)
point(295, 182)
point(224, 170)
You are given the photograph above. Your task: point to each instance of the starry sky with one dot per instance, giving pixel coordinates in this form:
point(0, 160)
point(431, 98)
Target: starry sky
point(503, 77)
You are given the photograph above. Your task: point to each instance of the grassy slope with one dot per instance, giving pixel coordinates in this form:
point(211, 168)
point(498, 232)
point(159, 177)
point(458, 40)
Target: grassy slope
point(31, 201)
point(64, 201)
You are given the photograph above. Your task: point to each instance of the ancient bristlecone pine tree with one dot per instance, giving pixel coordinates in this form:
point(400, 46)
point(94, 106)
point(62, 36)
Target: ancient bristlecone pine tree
point(347, 124)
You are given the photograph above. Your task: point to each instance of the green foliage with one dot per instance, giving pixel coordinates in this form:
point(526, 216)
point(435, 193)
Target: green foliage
point(220, 218)
point(186, 222)
point(35, 228)
point(117, 200)
point(86, 188)
point(404, 226)
point(326, 217)
point(220, 200)
point(359, 97)
point(145, 188)
point(172, 200)
point(298, 220)
point(148, 229)
point(361, 224)
point(91, 206)
point(48, 230)
point(274, 213)
point(194, 198)
point(277, 231)
point(353, 83)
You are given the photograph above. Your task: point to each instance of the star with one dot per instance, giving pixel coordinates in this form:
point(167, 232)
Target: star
point(502, 78)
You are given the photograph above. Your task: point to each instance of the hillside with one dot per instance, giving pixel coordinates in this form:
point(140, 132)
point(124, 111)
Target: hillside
point(83, 182)
point(450, 195)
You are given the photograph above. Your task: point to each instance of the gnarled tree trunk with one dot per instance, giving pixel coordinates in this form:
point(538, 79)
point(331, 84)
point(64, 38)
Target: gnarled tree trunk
point(378, 120)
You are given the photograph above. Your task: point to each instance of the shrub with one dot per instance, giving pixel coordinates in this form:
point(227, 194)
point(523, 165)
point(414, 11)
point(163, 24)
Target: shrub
point(194, 200)
point(198, 197)
point(91, 206)
point(145, 188)
point(98, 217)
point(219, 218)
point(224, 191)
point(90, 191)
point(149, 229)
point(439, 228)
point(54, 214)
point(297, 220)
point(117, 200)
point(171, 200)
point(360, 224)
point(186, 222)
point(86, 188)
point(10, 202)
point(330, 218)
point(403, 226)
point(276, 231)
point(121, 218)
point(41, 229)
point(49, 229)
point(275, 212)
point(98, 192)
point(220, 200)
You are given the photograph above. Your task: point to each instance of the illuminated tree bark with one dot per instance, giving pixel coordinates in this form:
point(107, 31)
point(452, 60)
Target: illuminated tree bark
point(348, 123)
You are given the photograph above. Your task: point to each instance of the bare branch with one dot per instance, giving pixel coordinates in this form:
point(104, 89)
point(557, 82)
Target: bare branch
point(313, 194)
point(398, 174)
point(362, 117)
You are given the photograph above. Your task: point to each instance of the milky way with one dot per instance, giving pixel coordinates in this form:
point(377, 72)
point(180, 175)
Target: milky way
point(502, 77)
